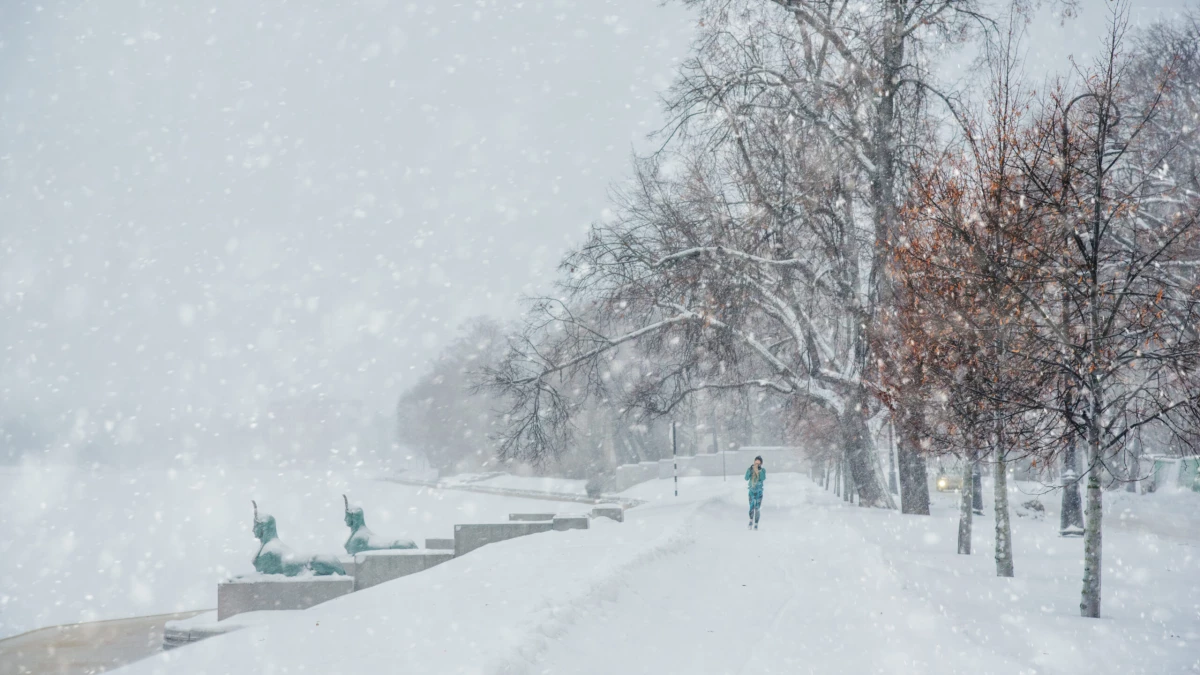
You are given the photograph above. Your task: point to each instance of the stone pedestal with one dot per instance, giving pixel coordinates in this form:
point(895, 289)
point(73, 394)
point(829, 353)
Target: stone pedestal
point(274, 591)
point(615, 512)
point(530, 517)
point(563, 523)
point(439, 544)
point(467, 538)
point(375, 567)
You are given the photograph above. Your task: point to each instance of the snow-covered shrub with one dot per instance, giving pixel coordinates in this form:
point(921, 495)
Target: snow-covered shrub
point(1031, 509)
point(594, 487)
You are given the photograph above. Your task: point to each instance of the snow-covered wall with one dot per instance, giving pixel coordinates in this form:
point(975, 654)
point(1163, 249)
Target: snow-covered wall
point(727, 463)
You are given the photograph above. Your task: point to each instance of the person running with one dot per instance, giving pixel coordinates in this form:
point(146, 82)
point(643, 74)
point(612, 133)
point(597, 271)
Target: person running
point(756, 475)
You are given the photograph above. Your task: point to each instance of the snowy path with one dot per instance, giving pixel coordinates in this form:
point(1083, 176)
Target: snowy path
point(683, 587)
point(802, 595)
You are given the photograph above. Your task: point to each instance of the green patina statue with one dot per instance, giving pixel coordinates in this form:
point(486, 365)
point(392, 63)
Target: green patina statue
point(276, 557)
point(363, 539)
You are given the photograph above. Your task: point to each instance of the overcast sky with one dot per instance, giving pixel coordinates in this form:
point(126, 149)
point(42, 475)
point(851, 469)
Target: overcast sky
point(207, 206)
point(216, 204)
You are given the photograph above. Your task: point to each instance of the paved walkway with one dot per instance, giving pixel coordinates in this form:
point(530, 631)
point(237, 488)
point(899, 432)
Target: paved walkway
point(805, 594)
point(73, 649)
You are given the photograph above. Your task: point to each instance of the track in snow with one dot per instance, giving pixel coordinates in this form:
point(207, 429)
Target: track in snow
point(806, 593)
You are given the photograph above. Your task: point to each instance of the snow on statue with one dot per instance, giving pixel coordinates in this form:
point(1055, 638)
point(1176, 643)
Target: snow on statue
point(363, 539)
point(276, 557)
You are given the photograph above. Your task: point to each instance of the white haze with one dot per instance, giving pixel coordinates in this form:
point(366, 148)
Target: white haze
point(210, 207)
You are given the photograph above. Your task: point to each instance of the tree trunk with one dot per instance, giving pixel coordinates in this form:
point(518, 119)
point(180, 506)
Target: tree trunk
point(1138, 452)
point(964, 511)
point(852, 489)
point(748, 421)
point(860, 454)
point(846, 485)
point(914, 484)
point(1004, 559)
point(611, 429)
point(1070, 522)
point(892, 469)
point(976, 488)
point(1089, 605)
point(713, 420)
point(837, 478)
point(1133, 456)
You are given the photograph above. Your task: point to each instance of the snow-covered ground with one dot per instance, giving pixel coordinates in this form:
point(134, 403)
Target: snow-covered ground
point(683, 587)
point(85, 545)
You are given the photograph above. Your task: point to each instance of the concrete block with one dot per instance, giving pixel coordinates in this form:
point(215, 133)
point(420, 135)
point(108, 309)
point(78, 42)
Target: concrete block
point(439, 544)
point(615, 512)
point(530, 517)
point(467, 538)
point(564, 523)
point(376, 567)
point(347, 562)
point(256, 592)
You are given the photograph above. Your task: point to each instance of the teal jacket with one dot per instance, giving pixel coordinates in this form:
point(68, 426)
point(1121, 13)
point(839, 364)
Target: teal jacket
point(762, 478)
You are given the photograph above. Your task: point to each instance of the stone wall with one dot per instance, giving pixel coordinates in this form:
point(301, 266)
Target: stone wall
point(273, 591)
point(376, 567)
point(467, 538)
point(732, 463)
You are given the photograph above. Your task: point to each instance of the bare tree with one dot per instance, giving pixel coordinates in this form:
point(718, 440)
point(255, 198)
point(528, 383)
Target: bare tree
point(750, 254)
point(438, 414)
point(705, 263)
point(859, 74)
point(961, 263)
point(1125, 344)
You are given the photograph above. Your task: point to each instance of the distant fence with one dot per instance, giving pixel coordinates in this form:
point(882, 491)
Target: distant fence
point(730, 462)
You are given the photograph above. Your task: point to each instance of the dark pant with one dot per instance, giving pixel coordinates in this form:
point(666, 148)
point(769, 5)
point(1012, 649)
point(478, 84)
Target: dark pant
point(755, 504)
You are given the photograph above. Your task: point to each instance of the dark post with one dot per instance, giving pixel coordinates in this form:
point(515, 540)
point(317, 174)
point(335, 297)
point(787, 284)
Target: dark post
point(675, 458)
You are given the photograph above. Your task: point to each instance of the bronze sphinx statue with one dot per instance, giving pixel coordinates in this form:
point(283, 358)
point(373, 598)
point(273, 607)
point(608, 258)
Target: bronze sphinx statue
point(276, 557)
point(363, 539)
